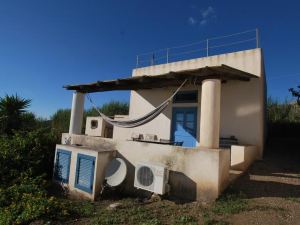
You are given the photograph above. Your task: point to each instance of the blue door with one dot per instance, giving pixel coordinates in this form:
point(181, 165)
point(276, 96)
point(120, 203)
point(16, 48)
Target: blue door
point(184, 126)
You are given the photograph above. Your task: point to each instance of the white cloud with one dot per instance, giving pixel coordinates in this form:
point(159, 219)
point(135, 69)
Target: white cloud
point(203, 22)
point(206, 15)
point(207, 12)
point(192, 20)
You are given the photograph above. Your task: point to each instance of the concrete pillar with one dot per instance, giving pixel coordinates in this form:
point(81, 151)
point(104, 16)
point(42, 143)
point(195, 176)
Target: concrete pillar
point(77, 113)
point(210, 113)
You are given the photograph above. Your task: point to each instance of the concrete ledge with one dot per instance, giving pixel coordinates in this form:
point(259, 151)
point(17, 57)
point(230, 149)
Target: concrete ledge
point(195, 173)
point(242, 156)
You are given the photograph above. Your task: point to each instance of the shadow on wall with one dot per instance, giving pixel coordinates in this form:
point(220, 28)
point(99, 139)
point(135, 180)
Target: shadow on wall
point(147, 100)
point(155, 97)
point(182, 188)
point(240, 111)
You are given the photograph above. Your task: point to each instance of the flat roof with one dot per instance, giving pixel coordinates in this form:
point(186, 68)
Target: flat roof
point(195, 76)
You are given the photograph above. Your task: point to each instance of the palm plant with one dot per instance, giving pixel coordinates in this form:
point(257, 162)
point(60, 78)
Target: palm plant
point(296, 93)
point(12, 107)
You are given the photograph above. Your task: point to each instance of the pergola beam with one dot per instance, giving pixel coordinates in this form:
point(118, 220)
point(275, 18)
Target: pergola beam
point(196, 76)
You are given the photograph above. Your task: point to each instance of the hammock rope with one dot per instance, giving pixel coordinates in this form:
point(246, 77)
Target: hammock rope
point(138, 121)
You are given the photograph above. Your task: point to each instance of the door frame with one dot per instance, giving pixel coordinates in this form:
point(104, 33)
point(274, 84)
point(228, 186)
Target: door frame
point(174, 109)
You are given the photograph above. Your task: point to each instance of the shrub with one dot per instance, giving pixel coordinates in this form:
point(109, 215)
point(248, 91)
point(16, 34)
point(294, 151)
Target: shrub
point(282, 112)
point(30, 152)
point(12, 108)
point(27, 200)
point(60, 120)
point(115, 108)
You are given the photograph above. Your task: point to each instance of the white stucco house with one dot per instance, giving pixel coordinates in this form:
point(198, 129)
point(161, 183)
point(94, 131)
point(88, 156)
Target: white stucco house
point(214, 124)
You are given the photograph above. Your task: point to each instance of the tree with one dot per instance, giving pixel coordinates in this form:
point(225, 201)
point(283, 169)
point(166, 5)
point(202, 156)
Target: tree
point(278, 112)
point(61, 118)
point(111, 108)
point(12, 108)
point(296, 93)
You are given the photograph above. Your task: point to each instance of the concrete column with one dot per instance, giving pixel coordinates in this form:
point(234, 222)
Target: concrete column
point(210, 113)
point(77, 113)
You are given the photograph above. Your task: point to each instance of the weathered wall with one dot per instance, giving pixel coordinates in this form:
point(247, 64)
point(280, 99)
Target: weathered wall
point(195, 174)
point(102, 159)
point(99, 131)
point(242, 103)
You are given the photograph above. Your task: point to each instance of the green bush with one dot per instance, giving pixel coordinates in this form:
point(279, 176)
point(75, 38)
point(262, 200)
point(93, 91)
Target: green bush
point(283, 130)
point(27, 147)
point(12, 110)
point(115, 108)
point(24, 158)
point(282, 112)
point(283, 120)
point(27, 200)
point(30, 152)
point(61, 118)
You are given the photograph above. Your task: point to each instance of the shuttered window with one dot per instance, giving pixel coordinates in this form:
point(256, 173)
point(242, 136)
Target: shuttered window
point(85, 172)
point(62, 165)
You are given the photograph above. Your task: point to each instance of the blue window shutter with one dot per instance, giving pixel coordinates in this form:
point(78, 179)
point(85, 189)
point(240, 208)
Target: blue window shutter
point(85, 172)
point(62, 165)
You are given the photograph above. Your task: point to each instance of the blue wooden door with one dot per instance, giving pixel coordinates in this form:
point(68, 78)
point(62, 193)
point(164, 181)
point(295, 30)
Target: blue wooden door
point(184, 126)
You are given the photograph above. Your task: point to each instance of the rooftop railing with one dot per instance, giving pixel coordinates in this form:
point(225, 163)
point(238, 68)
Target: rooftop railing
point(211, 46)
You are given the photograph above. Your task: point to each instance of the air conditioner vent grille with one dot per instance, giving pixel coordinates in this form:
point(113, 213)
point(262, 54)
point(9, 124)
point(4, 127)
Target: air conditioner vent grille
point(145, 176)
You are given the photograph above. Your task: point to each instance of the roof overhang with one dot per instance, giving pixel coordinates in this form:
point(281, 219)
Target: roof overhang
point(196, 76)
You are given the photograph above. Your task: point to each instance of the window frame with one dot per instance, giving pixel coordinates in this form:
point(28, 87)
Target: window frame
point(186, 101)
point(69, 153)
point(77, 185)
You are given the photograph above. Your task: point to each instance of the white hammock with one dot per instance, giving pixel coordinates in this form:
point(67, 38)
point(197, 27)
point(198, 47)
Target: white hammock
point(138, 121)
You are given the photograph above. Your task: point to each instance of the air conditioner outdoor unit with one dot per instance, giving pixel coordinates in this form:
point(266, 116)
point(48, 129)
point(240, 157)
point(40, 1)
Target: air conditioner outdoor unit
point(152, 177)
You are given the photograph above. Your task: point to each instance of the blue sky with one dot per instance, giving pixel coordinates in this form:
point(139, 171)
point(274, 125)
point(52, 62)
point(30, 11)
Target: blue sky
point(46, 44)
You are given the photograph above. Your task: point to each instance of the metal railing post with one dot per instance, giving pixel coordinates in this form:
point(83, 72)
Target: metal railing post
point(257, 38)
point(207, 47)
point(171, 53)
point(167, 55)
point(152, 59)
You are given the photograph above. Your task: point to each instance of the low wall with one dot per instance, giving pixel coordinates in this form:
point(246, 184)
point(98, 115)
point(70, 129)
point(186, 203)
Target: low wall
point(103, 157)
point(242, 156)
point(195, 173)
